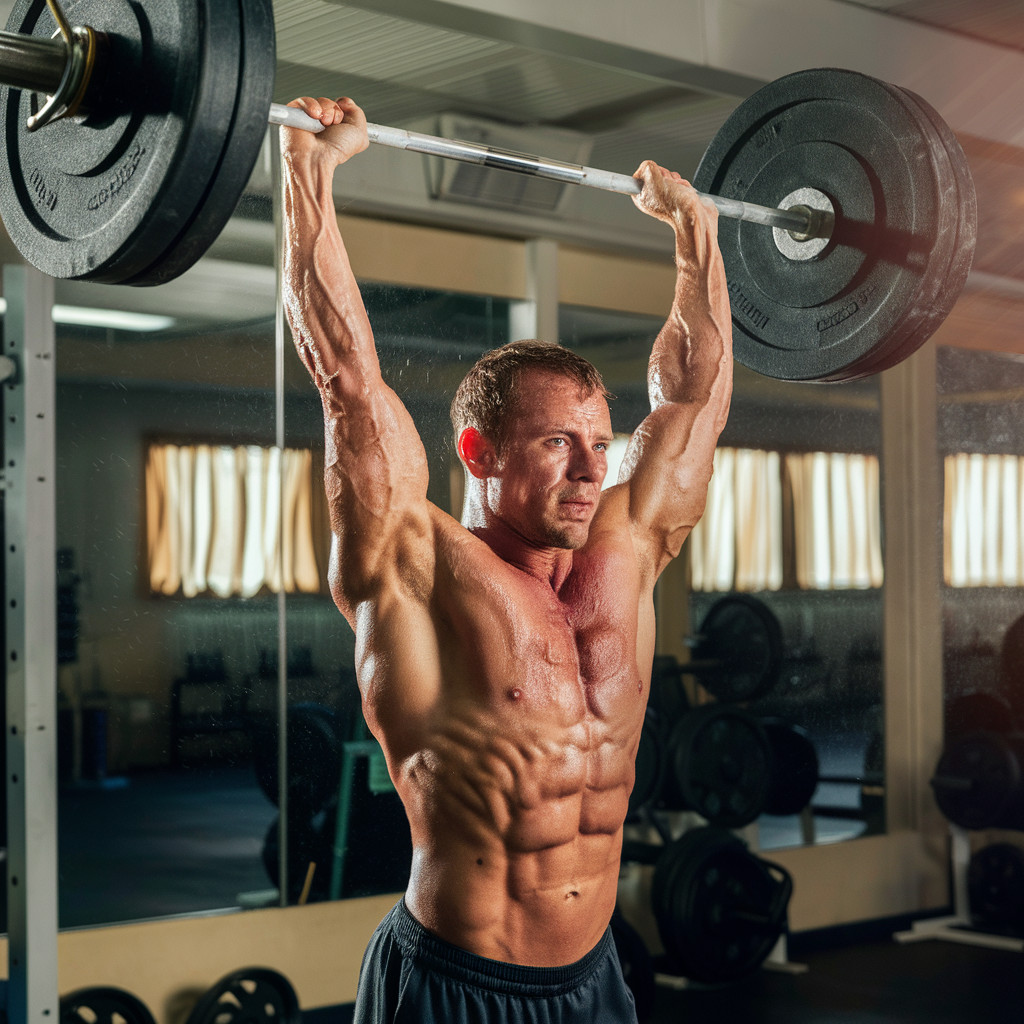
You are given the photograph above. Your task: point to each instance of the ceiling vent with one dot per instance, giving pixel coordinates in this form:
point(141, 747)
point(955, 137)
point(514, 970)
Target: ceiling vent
point(505, 190)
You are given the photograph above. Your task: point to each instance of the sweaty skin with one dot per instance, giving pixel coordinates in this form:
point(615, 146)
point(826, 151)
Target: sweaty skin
point(504, 662)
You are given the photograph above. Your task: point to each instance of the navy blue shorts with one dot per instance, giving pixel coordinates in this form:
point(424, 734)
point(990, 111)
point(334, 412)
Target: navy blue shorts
point(410, 976)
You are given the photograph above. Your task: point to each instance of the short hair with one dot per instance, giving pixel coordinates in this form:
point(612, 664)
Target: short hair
point(490, 392)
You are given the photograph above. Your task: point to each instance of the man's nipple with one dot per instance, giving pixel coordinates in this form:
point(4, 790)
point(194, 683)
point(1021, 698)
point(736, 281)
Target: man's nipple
point(515, 694)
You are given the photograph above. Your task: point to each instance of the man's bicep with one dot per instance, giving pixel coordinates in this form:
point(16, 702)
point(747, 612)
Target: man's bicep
point(667, 469)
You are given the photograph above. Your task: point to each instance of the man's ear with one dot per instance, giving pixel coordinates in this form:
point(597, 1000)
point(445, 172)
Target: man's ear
point(477, 453)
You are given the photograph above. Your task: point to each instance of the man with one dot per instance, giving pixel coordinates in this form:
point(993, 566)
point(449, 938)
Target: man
point(504, 663)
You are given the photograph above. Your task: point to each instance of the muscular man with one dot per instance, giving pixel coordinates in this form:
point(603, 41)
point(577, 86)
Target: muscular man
point(504, 662)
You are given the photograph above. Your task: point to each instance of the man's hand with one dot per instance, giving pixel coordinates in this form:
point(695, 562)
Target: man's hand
point(344, 133)
point(670, 198)
point(666, 194)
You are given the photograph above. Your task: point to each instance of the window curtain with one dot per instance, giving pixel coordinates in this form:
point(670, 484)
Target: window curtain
point(983, 532)
point(737, 545)
point(836, 520)
point(230, 520)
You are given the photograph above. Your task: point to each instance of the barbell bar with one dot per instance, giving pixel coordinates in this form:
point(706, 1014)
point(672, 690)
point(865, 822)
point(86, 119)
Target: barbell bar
point(49, 66)
point(802, 222)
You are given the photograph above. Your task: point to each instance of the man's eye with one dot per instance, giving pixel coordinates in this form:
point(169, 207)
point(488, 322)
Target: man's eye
point(558, 441)
point(601, 447)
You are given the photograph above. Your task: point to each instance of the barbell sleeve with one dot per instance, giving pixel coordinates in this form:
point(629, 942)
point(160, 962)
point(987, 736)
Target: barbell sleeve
point(801, 222)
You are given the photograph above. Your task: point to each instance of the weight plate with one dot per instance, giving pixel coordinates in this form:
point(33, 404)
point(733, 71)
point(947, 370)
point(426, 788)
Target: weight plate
point(721, 762)
point(861, 144)
point(949, 260)
point(241, 147)
point(978, 712)
point(105, 196)
point(252, 995)
point(720, 910)
point(314, 756)
point(741, 646)
point(794, 768)
point(995, 887)
point(103, 1005)
point(649, 762)
point(977, 782)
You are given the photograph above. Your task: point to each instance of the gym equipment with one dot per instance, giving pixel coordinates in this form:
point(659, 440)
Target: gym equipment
point(251, 995)
point(979, 781)
point(314, 755)
point(720, 909)
point(794, 776)
point(103, 1005)
point(995, 888)
point(649, 763)
point(738, 650)
point(905, 224)
point(720, 765)
point(135, 161)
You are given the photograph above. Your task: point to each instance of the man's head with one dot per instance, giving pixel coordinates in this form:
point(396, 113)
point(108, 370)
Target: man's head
point(532, 427)
point(488, 398)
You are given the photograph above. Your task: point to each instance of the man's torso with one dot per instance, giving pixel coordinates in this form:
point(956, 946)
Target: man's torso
point(510, 715)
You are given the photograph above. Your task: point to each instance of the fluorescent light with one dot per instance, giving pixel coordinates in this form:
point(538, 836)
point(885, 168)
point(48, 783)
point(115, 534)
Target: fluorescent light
point(118, 319)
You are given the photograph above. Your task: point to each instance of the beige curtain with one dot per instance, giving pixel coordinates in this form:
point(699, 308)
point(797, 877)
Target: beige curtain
point(983, 532)
point(837, 533)
point(737, 545)
point(230, 521)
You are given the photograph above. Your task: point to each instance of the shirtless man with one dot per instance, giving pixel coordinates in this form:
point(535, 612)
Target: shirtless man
point(504, 662)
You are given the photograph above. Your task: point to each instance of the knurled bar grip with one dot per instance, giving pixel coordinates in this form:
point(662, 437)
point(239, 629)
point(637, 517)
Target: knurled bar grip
point(797, 221)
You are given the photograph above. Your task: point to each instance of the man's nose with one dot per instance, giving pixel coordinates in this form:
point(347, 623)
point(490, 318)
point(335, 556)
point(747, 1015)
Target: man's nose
point(587, 465)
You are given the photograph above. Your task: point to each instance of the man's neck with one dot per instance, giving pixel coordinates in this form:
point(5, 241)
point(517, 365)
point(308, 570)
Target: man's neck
point(550, 565)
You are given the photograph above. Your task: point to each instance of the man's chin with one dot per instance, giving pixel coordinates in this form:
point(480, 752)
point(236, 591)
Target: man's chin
point(569, 538)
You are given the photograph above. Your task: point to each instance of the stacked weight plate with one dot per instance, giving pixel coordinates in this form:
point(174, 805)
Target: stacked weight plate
point(906, 224)
point(136, 192)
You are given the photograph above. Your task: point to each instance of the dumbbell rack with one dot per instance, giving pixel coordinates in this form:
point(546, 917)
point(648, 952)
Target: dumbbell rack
point(957, 926)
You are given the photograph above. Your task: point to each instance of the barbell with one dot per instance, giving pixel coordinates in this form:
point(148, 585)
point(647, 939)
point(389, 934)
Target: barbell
point(851, 216)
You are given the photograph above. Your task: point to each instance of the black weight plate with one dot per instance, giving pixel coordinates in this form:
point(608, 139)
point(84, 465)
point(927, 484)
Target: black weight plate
point(956, 234)
point(649, 763)
point(101, 198)
point(794, 768)
point(741, 636)
point(978, 782)
point(861, 144)
point(721, 761)
point(314, 756)
point(978, 712)
point(241, 147)
point(103, 1005)
point(252, 995)
point(720, 910)
point(995, 887)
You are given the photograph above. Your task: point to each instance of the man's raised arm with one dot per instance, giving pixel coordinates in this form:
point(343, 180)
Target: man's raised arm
point(689, 379)
point(375, 469)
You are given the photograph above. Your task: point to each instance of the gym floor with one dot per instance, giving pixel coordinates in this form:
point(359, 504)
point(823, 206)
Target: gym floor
point(169, 843)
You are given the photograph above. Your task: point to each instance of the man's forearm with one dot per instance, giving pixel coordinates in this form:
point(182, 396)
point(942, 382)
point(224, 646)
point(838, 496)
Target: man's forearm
point(692, 357)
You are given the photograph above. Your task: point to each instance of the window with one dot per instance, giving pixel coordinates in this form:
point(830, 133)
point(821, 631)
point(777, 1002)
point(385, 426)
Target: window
point(230, 521)
point(983, 532)
point(823, 506)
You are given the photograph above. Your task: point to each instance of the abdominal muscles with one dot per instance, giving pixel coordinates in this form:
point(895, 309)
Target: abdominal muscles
point(517, 820)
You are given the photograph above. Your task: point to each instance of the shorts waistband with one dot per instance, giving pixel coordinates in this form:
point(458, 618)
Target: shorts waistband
point(495, 974)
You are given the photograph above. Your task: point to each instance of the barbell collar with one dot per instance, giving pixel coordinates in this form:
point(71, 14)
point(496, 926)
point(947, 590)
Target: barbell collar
point(799, 222)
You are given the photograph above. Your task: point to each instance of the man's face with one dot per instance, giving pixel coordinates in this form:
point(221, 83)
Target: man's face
point(553, 462)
